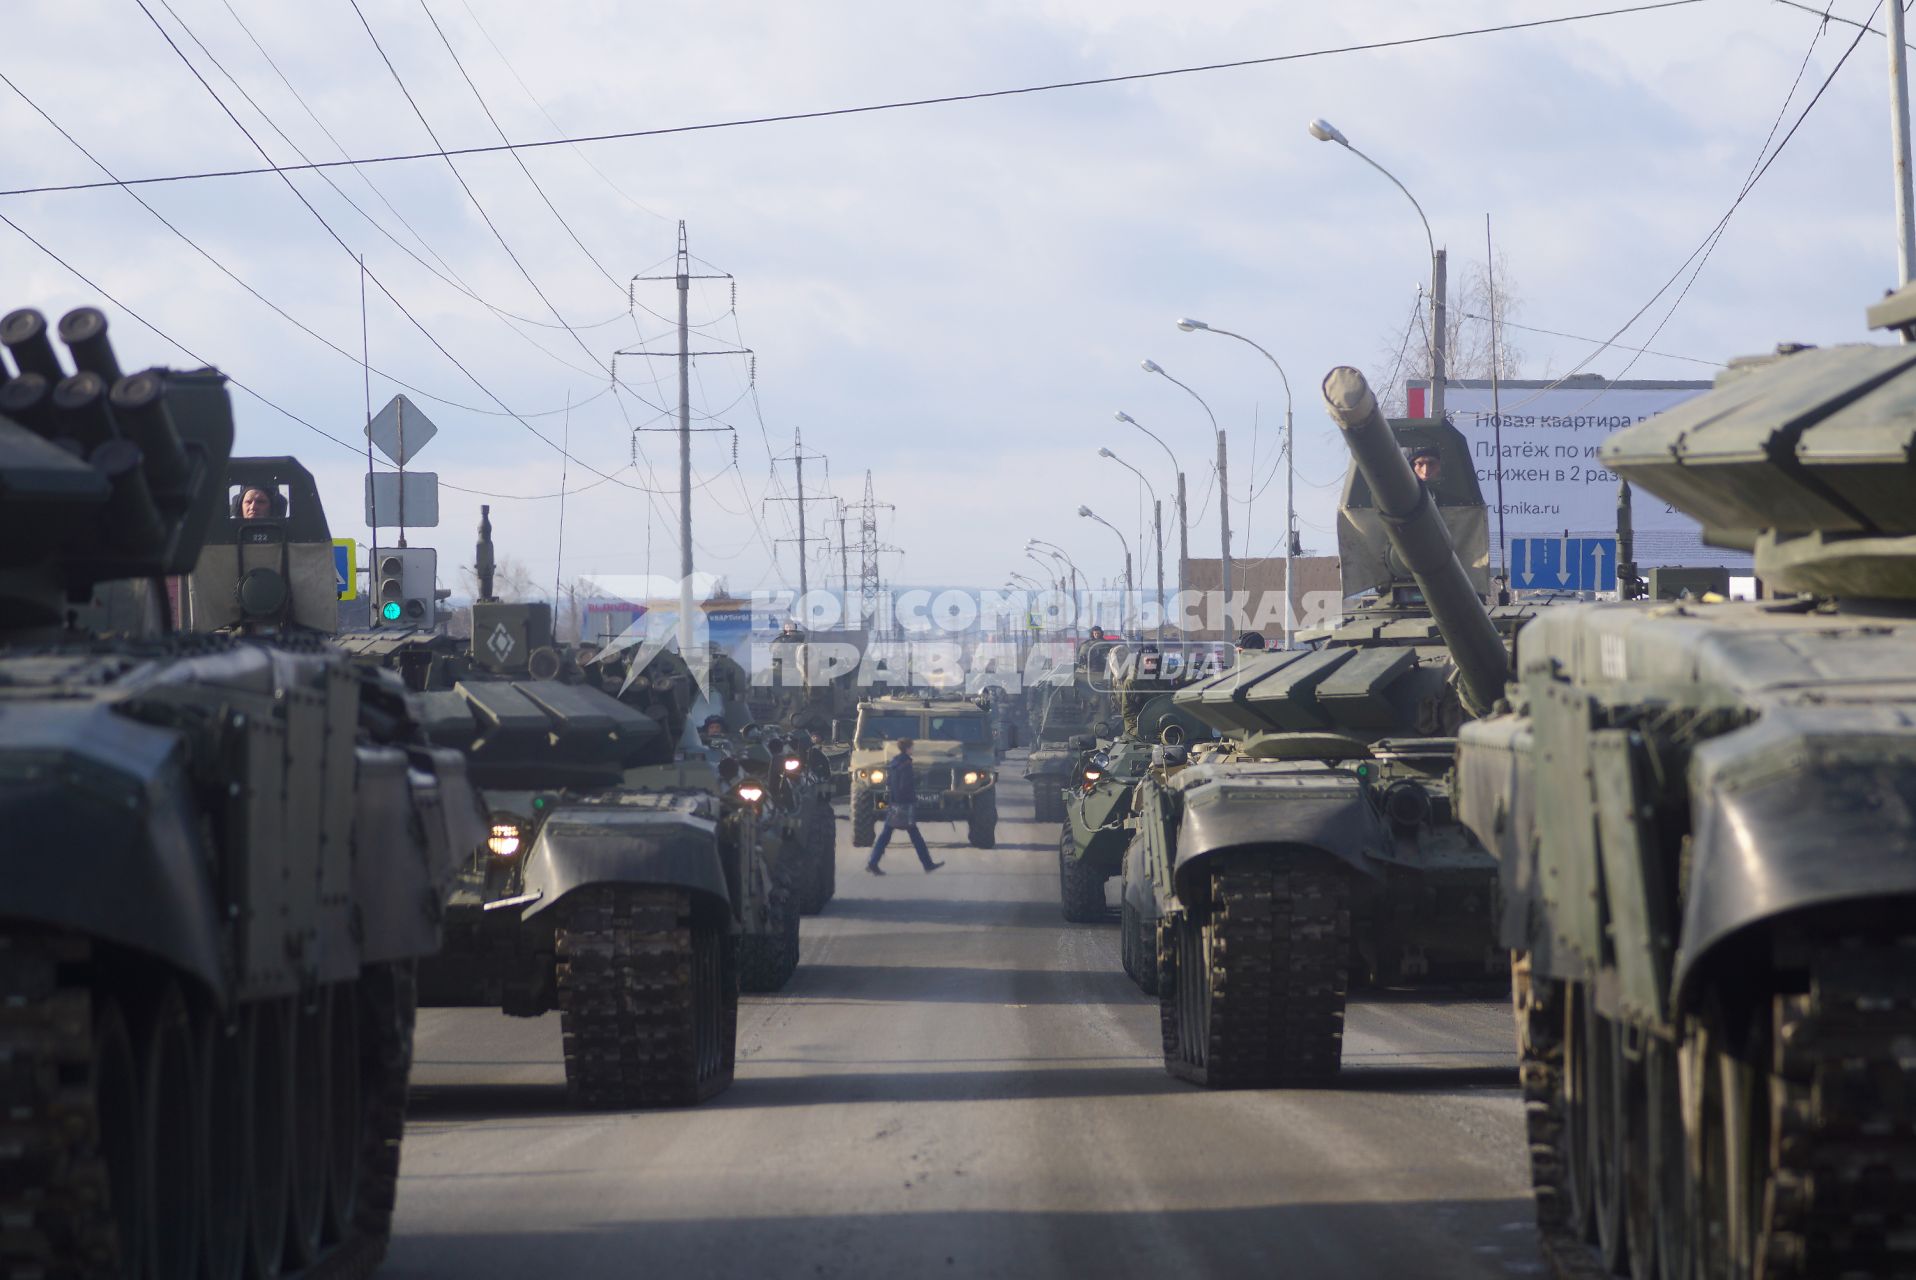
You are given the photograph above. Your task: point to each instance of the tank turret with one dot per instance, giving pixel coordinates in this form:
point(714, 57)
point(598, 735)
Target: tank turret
point(1420, 539)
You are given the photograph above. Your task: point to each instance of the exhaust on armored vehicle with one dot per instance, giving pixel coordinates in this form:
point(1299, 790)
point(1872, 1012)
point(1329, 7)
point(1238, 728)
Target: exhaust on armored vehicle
point(1420, 539)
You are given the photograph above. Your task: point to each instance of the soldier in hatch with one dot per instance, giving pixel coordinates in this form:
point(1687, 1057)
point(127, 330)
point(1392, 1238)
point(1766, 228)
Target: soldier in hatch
point(1144, 678)
point(256, 504)
point(1428, 464)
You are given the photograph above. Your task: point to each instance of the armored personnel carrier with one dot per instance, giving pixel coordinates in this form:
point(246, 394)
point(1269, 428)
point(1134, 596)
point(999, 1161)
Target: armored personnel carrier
point(955, 758)
point(1705, 818)
point(226, 849)
point(1319, 834)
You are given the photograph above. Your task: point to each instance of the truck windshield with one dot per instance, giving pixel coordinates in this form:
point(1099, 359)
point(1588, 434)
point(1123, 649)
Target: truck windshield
point(889, 727)
point(956, 728)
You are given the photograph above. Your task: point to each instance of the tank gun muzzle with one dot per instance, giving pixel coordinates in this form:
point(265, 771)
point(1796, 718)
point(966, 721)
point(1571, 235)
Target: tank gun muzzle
point(1420, 539)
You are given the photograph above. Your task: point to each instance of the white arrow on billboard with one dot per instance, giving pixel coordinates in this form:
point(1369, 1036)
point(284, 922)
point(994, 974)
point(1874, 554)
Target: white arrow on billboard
point(1566, 564)
point(400, 430)
point(1597, 553)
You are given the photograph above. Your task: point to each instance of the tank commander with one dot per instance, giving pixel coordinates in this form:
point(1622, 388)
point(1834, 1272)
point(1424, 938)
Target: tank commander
point(1135, 688)
point(256, 504)
point(1428, 464)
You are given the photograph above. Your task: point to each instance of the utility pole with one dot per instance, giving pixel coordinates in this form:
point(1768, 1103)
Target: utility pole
point(1439, 282)
point(797, 458)
point(1184, 538)
point(869, 549)
point(1224, 524)
point(844, 550)
point(682, 278)
point(1899, 143)
point(1157, 540)
point(1290, 526)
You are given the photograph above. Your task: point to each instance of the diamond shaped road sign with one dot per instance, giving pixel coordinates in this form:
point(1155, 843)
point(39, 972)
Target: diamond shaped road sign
point(400, 430)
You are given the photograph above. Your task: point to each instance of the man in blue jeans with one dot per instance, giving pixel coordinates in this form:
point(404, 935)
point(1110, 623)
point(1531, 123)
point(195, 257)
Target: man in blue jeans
point(901, 794)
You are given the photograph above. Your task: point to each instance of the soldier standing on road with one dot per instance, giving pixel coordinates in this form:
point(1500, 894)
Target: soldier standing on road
point(901, 794)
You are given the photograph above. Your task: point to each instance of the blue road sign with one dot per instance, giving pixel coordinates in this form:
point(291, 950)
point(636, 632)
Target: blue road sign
point(1563, 564)
point(345, 571)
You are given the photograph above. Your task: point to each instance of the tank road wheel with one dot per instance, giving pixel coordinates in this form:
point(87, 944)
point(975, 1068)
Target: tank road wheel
point(269, 1078)
point(864, 817)
point(648, 997)
point(1081, 888)
point(387, 997)
point(312, 1070)
point(1668, 1170)
point(820, 832)
point(767, 960)
point(116, 1100)
point(346, 1116)
point(170, 1140)
point(981, 831)
point(1259, 989)
point(1632, 1140)
point(226, 1141)
point(1604, 1170)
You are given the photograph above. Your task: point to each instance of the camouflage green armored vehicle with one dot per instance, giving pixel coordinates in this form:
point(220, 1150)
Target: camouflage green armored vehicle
point(1066, 712)
point(1319, 835)
point(1705, 817)
point(1097, 806)
point(226, 849)
point(955, 757)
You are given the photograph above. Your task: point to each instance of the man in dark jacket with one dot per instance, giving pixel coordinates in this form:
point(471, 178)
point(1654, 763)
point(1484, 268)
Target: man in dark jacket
point(901, 794)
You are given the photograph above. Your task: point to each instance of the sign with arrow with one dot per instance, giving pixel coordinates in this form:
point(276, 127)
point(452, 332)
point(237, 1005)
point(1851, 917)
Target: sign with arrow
point(1563, 564)
point(400, 430)
point(346, 568)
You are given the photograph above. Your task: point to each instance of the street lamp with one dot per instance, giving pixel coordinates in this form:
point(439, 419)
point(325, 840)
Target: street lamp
point(1223, 476)
point(1184, 527)
point(1089, 514)
point(1157, 525)
point(1290, 468)
point(1059, 553)
point(1324, 131)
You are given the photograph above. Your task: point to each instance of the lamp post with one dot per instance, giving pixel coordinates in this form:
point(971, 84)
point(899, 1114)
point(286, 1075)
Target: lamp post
point(1324, 131)
point(1089, 514)
point(1157, 527)
point(1184, 525)
point(1223, 479)
point(1057, 552)
point(1290, 471)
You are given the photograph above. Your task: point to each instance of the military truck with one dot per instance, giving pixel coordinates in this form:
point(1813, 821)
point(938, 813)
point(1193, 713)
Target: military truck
point(229, 848)
point(954, 756)
point(1318, 837)
point(1705, 818)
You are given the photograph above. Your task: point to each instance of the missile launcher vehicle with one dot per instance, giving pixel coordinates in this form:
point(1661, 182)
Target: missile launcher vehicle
point(1704, 813)
point(1318, 837)
point(227, 847)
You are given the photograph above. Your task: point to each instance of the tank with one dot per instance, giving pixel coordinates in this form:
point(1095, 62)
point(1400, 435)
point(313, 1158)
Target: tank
point(806, 690)
point(626, 881)
point(955, 757)
point(1704, 812)
point(230, 848)
point(1316, 841)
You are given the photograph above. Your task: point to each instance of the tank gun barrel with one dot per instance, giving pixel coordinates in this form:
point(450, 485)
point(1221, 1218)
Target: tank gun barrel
point(1420, 539)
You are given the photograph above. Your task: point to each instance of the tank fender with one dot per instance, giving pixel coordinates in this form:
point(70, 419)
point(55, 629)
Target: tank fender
point(1804, 808)
point(103, 837)
point(623, 846)
point(1336, 819)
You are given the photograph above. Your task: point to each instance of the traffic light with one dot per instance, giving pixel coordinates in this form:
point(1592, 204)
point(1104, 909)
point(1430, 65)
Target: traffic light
point(403, 595)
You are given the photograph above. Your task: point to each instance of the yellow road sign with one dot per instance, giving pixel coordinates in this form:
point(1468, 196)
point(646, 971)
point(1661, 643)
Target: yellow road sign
point(346, 567)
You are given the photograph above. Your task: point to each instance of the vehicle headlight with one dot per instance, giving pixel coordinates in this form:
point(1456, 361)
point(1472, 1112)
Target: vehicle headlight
point(972, 779)
point(1092, 775)
point(877, 775)
point(793, 764)
point(504, 840)
point(751, 792)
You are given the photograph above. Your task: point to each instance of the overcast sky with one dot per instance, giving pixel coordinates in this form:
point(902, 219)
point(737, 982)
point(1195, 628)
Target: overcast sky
point(955, 297)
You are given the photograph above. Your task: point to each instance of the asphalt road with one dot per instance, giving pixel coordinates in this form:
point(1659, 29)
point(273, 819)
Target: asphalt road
point(959, 1083)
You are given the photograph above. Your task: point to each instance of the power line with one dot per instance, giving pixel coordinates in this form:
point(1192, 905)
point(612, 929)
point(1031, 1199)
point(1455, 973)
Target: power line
point(1578, 337)
point(898, 105)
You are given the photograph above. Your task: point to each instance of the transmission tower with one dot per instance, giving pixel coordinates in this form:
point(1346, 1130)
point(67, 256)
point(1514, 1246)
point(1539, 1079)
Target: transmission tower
point(870, 548)
point(798, 457)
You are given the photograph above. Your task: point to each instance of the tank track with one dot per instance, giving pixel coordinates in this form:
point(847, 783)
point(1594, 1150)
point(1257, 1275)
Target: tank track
point(766, 961)
point(821, 842)
point(56, 1213)
point(630, 981)
point(1080, 889)
point(1278, 975)
point(1842, 1198)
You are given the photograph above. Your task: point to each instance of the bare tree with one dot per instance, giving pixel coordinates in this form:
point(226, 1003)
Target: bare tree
point(1404, 352)
point(511, 580)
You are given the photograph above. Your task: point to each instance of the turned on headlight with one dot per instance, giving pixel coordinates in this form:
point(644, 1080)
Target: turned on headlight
point(504, 840)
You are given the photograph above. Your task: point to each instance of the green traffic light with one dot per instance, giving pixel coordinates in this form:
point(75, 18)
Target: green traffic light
point(390, 611)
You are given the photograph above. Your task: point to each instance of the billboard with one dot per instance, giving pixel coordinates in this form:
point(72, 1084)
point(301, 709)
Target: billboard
point(1553, 482)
